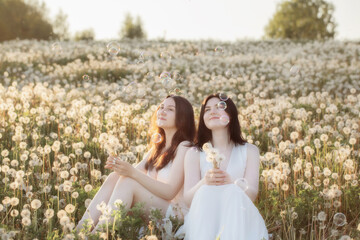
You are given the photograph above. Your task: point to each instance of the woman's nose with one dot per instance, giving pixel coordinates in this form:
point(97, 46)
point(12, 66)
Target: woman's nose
point(162, 112)
point(213, 111)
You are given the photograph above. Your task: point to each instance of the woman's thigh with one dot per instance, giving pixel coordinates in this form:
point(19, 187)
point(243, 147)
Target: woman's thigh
point(141, 194)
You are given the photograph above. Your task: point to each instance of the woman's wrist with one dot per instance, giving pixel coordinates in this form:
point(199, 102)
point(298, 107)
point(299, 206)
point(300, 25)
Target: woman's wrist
point(135, 173)
point(242, 183)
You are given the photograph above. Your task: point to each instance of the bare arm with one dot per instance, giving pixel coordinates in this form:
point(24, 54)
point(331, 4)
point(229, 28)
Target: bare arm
point(141, 165)
point(166, 190)
point(252, 171)
point(192, 181)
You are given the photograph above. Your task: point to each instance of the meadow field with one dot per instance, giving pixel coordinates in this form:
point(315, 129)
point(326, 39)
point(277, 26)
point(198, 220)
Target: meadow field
point(65, 105)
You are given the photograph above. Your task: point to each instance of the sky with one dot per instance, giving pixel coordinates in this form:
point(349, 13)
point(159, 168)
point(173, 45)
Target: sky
point(224, 20)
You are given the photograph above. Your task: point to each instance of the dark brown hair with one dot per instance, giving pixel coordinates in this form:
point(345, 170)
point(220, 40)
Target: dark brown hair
point(204, 134)
point(185, 124)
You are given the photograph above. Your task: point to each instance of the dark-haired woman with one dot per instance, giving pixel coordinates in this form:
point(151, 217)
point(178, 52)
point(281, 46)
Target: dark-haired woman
point(158, 179)
point(221, 193)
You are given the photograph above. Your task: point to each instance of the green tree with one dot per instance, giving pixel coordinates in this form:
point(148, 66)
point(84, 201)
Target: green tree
point(87, 34)
point(61, 26)
point(131, 29)
point(40, 7)
point(22, 20)
point(302, 20)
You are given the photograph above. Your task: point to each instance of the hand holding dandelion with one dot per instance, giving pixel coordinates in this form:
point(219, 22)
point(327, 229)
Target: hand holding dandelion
point(215, 176)
point(112, 145)
point(213, 155)
point(120, 167)
point(111, 159)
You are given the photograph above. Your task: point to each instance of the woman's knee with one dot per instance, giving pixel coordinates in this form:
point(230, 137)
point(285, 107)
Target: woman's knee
point(126, 183)
point(129, 182)
point(113, 177)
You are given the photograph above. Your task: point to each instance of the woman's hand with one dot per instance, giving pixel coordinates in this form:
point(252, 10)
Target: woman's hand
point(120, 167)
point(217, 177)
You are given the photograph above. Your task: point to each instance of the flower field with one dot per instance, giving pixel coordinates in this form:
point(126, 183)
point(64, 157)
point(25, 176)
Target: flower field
point(65, 105)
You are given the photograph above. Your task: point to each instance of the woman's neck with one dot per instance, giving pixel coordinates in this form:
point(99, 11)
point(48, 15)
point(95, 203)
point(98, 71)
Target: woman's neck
point(169, 134)
point(221, 139)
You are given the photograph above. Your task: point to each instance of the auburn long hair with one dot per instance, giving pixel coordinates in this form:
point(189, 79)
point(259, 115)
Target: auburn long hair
point(204, 134)
point(185, 124)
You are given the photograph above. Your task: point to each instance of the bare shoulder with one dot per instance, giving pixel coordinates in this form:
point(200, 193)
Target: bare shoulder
point(192, 154)
point(185, 143)
point(184, 146)
point(181, 149)
point(193, 151)
point(251, 148)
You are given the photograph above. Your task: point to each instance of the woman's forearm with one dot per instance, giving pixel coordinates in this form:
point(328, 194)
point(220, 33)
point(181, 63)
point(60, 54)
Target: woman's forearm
point(160, 189)
point(189, 195)
point(252, 193)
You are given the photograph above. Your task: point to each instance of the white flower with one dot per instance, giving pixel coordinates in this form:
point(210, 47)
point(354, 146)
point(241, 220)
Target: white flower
point(49, 213)
point(87, 202)
point(75, 195)
point(101, 207)
point(151, 237)
point(4, 153)
point(70, 208)
point(346, 130)
point(87, 154)
point(14, 201)
point(26, 221)
point(212, 155)
point(321, 216)
point(88, 188)
point(294, 135)
point(285, 187)
point(207, 146)
point(69, 236)
point(352, 141)
point(118, 202)
point(345, 237)
point(14, 213)
point(219, 158)
point(275, 131)
point(61, 213)
point(64, 174)
point(22, 145)
point(35, 204)
point(347, 177)
point(167, 226)
point(64, 159)
point(25, 213)
point(324, 137)
point(68, 130)
point(327, 172)
point(64, 220)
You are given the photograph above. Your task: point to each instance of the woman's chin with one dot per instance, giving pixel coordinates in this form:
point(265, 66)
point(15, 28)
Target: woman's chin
point(216, 127)
point(163, 126)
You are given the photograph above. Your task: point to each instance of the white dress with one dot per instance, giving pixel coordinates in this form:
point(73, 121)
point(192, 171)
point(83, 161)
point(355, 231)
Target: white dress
point(225, 210)
point(177, 206)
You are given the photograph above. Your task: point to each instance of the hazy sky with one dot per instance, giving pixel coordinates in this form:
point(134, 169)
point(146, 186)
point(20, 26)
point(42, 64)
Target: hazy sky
point(226, 20)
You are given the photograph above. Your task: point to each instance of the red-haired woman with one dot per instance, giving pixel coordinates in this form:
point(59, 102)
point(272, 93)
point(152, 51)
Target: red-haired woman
point(158, 179)
point(221, 181)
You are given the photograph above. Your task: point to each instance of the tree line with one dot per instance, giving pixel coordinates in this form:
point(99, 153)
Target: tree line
point(29, 19)
point(293, 19)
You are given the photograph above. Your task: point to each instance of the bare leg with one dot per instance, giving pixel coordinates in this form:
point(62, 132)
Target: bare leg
point(131, 192)
point(103, 194)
